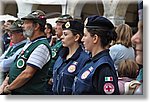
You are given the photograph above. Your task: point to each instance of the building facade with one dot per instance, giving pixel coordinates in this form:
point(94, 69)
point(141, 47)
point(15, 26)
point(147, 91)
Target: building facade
point(118, 11)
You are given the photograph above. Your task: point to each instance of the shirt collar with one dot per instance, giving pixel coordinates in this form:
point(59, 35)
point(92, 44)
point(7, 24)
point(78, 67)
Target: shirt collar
point(100, 54)
point(65, 52)
point(19, 43)
point(41, 37)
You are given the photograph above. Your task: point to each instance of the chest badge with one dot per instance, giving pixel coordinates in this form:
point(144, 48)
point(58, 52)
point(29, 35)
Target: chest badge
point(53, 54)
point(71, 68)
point(85, 74)
point(20, 63)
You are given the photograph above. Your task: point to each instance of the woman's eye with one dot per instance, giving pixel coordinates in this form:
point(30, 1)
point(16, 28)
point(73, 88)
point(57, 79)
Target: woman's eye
point(65, 34)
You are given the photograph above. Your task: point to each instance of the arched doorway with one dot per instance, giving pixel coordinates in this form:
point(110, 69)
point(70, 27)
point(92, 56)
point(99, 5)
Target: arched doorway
point(93, 8)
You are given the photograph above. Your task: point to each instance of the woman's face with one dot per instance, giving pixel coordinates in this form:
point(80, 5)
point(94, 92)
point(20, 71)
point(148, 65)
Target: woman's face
point(87, 40)
point(138, 42)
point(68, 39)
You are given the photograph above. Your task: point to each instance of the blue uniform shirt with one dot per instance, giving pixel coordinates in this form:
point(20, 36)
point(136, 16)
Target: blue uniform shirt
point(98, 76)
point(64, 71)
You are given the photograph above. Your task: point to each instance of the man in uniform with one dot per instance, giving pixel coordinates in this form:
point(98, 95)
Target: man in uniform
point(18, 40)
point(28, 74)
point(5, 37)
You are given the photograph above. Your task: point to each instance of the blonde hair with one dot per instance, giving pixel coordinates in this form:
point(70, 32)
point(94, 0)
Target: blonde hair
point(124, 34)
point(128, 68)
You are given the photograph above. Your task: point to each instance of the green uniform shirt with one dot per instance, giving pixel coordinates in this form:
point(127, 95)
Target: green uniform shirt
point(55, 50)
point(37, 84)
point(13, 50)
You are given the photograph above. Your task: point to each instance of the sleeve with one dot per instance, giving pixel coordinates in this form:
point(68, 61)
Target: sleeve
point(39, 57)
point(105, 81)
point(5, 64)
point(4, 54)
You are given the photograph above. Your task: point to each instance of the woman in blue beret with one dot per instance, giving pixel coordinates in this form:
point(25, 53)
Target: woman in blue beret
point(71, 59)
point(98, 76)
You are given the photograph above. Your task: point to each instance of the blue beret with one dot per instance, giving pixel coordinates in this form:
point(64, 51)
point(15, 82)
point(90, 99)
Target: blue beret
point(74, 25)
point(98, 22)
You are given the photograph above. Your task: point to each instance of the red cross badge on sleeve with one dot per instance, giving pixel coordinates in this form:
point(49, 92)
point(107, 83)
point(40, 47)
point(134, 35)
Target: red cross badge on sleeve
point(109, 88)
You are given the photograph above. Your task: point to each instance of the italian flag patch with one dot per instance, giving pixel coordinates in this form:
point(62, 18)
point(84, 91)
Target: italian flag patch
point(108, 78)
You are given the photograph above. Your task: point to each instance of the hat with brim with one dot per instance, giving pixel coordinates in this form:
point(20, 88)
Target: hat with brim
point(64, 18)
point(16, 26)
point(37, 16)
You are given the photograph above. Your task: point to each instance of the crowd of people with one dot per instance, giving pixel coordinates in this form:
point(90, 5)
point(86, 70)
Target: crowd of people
point(75, 58)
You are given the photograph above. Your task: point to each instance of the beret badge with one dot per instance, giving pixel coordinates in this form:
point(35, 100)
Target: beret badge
point(86, 21)
point(67, 25)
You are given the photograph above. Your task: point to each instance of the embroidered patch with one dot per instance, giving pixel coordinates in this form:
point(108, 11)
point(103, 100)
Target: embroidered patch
point(85, 74)
point(86, 21)
point(71, 68)
point(20, 63)
point(109, 88)
point(91, 69)
point(53, 54)
point(108, 78)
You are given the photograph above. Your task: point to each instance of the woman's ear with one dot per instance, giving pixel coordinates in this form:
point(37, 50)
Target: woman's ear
point(95, 39)
point(77, 37)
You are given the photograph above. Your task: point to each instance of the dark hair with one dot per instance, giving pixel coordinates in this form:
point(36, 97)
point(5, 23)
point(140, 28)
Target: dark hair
point(74, 32)
point(106, 35)
point(49, 26)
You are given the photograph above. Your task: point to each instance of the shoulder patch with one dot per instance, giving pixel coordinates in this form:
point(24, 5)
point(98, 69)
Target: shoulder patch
point(108, 88)
point(85, 74)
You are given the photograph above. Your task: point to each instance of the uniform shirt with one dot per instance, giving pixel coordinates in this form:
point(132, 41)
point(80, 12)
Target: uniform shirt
point(39, 57)
point(36, 54)
point(98, 79)
point(64, 71)
point(55, 53)
point(36, 58)
point(98, 76)
point(5, 63)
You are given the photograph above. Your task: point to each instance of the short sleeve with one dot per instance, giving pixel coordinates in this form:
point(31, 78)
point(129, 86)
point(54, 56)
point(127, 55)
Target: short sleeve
point(39, 57)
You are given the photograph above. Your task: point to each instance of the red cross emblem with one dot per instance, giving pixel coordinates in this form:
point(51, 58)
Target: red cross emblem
point(109, 88)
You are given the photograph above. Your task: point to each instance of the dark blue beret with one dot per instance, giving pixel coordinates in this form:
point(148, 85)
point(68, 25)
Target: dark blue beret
point(74, 25)
point(98, 22)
